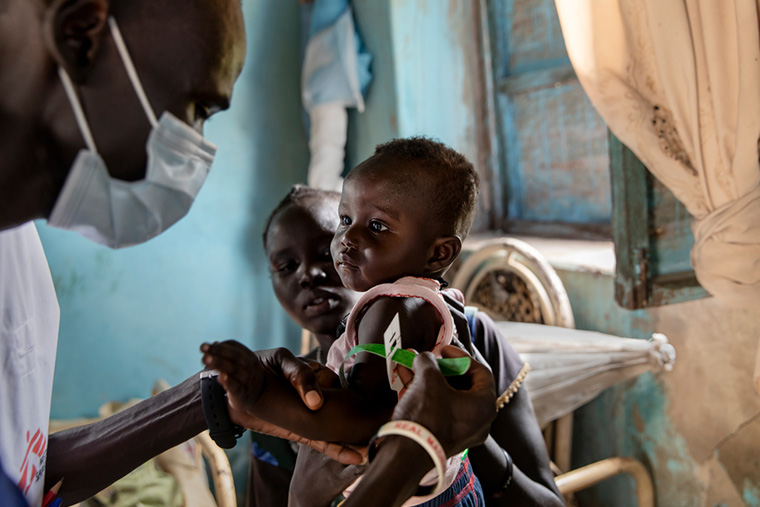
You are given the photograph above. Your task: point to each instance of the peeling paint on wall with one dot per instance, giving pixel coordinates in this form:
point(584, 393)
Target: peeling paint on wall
point(697, 428)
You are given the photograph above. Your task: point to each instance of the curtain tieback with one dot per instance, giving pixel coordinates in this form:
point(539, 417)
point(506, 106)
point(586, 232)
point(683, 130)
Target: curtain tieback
point(726, 254)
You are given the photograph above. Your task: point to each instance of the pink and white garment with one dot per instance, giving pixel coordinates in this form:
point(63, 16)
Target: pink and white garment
point(407, 287)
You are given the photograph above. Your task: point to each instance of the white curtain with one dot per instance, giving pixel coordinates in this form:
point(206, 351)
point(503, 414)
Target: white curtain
point(678, 81)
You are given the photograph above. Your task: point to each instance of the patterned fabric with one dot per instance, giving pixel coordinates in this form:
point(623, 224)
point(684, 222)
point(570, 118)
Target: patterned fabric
point(464, 492)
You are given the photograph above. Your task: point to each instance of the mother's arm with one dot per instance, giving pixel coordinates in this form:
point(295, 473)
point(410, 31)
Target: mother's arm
point(515, 430)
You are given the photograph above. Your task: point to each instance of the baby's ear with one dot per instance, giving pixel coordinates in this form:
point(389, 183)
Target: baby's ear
point(445, 251)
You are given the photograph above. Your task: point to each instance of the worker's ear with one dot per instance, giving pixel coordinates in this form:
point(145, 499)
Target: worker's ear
point(445, 251)
point(73, 30)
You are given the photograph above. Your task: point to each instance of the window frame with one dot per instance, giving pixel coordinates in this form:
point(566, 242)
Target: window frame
point(636, 286)
point(632, 227)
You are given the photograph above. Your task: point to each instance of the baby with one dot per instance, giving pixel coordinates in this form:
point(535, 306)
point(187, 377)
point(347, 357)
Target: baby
point(404, 214)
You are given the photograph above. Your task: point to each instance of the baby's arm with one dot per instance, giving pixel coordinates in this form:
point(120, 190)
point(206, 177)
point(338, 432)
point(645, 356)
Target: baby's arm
point(419, 323)
point(459, 418)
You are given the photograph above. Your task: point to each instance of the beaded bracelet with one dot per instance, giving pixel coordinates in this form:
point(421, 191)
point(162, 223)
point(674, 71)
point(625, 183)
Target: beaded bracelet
point(425, 439)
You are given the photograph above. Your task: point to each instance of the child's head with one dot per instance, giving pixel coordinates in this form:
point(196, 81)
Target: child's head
point(404, 212)
point(297, 243)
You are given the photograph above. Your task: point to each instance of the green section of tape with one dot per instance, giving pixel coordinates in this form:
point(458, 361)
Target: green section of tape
point(449, 366)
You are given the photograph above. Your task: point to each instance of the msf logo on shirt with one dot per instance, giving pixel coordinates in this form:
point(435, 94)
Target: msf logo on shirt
point(33, 466)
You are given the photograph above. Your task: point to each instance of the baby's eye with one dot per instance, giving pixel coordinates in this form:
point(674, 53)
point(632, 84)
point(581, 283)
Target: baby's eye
point(376, 226)
point(344, 220)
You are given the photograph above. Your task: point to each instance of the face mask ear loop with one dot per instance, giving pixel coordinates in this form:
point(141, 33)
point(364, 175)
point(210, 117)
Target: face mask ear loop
point(131, 72)
point(84, 128)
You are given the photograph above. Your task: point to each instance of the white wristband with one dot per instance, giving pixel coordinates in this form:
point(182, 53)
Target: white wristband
point(426, 439)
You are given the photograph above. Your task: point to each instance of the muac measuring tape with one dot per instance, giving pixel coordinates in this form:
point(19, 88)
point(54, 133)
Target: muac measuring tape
point(449, 366)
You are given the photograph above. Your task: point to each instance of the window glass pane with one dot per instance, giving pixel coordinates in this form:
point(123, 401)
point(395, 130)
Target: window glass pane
point(554, 154)
point(558, 162)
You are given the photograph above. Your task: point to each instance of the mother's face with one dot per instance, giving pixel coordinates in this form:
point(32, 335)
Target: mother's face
point(303, 276)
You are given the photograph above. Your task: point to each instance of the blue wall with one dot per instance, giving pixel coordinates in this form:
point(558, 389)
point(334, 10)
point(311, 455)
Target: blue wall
point(427, 80)
point(131, 316)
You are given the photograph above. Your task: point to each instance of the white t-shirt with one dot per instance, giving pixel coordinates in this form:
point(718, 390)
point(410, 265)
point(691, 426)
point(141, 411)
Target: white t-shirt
point(29, 316)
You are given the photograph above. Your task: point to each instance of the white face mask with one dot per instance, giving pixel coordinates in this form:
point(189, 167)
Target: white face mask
point(119, 213)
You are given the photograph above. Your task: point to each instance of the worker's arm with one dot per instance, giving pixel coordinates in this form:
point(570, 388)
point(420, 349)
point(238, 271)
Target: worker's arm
point(89, 458)
point(252, 388)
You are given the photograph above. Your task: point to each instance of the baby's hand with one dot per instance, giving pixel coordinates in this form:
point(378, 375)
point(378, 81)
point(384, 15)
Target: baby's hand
point(304, 375)
point(240, 372)
point(243, 373)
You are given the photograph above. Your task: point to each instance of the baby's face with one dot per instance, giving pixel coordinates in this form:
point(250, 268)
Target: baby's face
point(382, 234)
point(303, 276)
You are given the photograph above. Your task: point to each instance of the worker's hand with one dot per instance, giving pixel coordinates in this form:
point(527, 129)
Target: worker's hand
point(307, 376)
point(459, 418)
